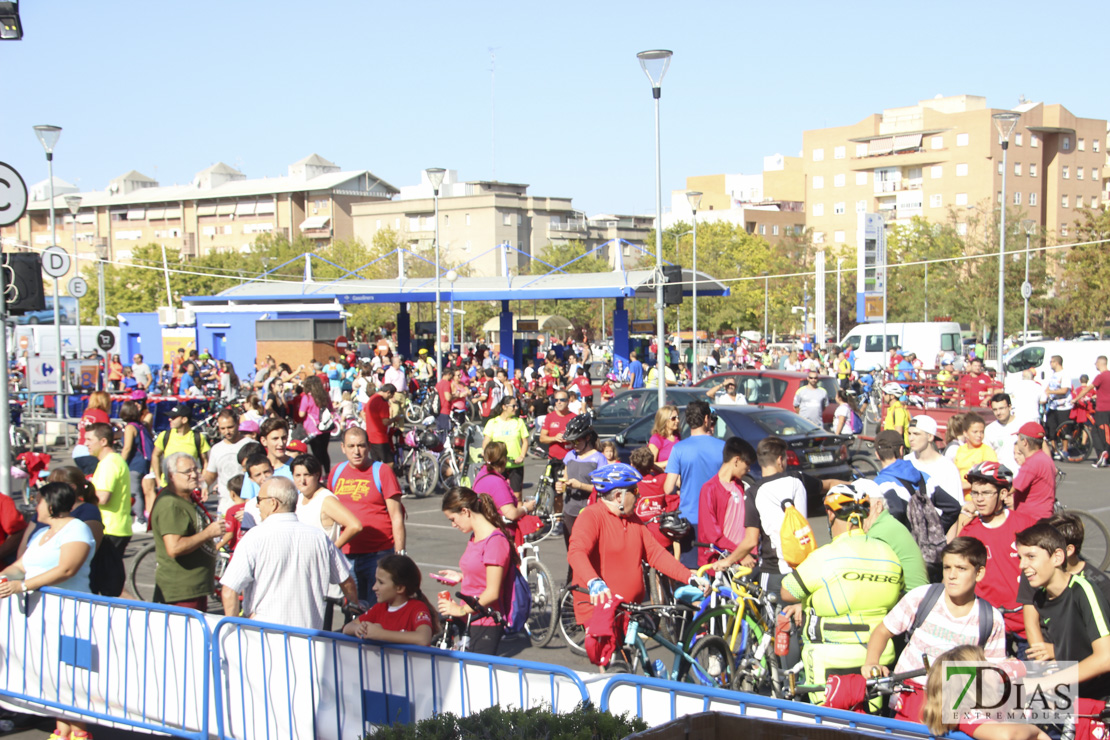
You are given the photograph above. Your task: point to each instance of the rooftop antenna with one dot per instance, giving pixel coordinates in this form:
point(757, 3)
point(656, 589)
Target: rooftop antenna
point(493, 109)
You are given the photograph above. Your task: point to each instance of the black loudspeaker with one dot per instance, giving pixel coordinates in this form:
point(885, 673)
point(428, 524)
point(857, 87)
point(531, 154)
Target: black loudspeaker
point(672, 290)
point(23, 282)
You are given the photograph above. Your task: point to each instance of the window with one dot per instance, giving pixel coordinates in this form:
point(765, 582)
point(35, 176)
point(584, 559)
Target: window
point(763, 229)
point(999, 198)
point(1081, 145)
point(1032, 199)
point(1064, 172)
point(818, 209)
point(1094, 145)
point(414, 223)
point(818, 182)
point(1063, 229)
point(874, 342)
point(1063, 201)
point(818, 237)
point(1032, 170)
point(397, 224)
point(961, 199)
point(446, 220)
point(1078, 173)
point(1000, 168)
point(507, 219)
point(1017, 198)
point(861, 206)
point(961, 229)
point(838, 208)
point(818, 155)
point(861, 150)
point(1017, 169)
point(936, 200)
point(429, 223)
point(936, 172)
point(838, 180)
point(961, 170)
point(937, 142)
point(1034, 141)
point(468, 219)
point(962, 139)
point(775, 230)
point(838, 237)
point(861, 178)
point(1094, 174)
point(839, 152)
point(1065, 143)
point(1017, 139)
point(378, 224)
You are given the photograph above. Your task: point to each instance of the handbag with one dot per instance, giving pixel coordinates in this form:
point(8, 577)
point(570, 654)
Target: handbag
point(327, 420)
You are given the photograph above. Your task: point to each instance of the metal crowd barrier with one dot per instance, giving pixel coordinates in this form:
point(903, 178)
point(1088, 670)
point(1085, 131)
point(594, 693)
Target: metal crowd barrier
point(274, 681)
point(110, 661)
point(657, 701)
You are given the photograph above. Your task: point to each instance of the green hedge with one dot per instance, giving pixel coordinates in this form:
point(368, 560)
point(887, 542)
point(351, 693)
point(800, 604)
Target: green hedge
point(537, 723)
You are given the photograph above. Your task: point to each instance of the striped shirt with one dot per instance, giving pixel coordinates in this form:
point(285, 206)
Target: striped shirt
point(283, 568)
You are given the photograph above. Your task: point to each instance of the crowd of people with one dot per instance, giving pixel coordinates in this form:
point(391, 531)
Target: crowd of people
point(952, 532)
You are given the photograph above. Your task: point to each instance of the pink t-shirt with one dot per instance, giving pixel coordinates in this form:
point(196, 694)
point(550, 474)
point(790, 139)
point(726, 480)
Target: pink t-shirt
point(493, 550)
point(663, 445)
point(1035, 486)
point(310, 412)
point(497, 486)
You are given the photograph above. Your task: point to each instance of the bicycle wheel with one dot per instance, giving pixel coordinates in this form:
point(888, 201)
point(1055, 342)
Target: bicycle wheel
point(541, 619)
point(864, 466)
point(750, 675)
point(414, 413)
point(1096, 539)
point(712, 664)
point(574, 634)
point(140, 576)
point(423, 473)
point(660, 591)
point(449, 469)
point(1073, 441)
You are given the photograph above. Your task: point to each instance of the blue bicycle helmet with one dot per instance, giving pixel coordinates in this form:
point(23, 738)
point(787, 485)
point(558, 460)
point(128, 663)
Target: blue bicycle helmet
point(613, 476)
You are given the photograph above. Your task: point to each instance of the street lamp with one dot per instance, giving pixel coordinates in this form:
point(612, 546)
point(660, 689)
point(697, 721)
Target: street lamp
point(101, 256)
point(766, 290)
point(1028, 225)
point(48, 137)
point(1005, 121)
point(435, 177)
point(655, 63)
point(73, 202)
point(694, 197)
point(839, 262)
point(451, 277)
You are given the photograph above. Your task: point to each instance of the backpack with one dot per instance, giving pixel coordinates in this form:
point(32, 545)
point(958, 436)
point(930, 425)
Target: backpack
point(435, 403)
point(986, 614)
point(857, 422)
point(925, 525)
point(375, 469)
point(520, 605)
point(796, 536)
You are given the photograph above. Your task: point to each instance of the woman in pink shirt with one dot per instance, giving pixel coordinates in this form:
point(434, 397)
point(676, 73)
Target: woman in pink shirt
point(664, 433)
point(314, 402)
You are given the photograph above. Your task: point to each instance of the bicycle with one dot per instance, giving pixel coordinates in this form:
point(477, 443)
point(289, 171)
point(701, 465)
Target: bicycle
point(1096, 536)
point(1074, 440)
point(540, 626)
point(545, 501)
point(877, 686)
point(455, 633)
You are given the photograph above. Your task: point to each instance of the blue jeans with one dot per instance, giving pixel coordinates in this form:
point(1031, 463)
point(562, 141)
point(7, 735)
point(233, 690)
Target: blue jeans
point(365, 568)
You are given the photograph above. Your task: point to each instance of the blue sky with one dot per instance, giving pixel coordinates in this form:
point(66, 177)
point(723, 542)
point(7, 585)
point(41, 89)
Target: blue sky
point(169, 88)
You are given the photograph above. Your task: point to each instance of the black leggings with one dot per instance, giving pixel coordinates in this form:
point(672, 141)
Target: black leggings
point(318, 446)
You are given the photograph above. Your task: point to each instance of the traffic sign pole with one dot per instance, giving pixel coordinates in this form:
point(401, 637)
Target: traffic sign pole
point(55, 263)
point(77, 287)
point(5, 409)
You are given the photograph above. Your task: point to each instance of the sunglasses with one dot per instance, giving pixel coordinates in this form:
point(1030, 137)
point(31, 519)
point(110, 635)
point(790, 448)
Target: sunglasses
point(561, 400)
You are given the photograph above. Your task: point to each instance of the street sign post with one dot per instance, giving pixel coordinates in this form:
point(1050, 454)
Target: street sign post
point(341, 344)
point(55, 263)
point(13, 204)
point(105, 340)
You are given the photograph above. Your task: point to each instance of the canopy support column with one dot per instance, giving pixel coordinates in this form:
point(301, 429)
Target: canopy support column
point(404, 331)
point(620, 337)
point(505, 339)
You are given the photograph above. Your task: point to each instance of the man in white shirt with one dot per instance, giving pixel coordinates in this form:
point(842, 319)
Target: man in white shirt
point(283, 567)
point(730, 397)
point(1001, 435)
point(395, 375)
point(1027, 396)
point(943, 477)
point(223, 458)
point(1058, 409)
point(141, 372)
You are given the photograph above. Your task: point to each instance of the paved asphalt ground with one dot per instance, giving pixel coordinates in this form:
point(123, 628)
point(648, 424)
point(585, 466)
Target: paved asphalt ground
point(435, 544)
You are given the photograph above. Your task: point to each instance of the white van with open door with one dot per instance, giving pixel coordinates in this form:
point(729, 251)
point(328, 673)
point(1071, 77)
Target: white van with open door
point(927, 339)
point(1079, 358)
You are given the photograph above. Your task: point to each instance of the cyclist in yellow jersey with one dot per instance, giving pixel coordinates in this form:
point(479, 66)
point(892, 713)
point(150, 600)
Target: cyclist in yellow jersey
point(844, 589)
point(897, 418)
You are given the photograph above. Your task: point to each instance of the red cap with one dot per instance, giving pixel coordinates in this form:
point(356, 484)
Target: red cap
point(1031, 429)
point(296, 445)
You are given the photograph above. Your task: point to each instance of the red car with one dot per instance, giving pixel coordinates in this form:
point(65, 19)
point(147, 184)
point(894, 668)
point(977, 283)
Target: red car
point(773, 388)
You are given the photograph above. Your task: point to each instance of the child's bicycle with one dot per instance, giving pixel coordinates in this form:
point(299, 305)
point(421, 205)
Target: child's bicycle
point(455, 633)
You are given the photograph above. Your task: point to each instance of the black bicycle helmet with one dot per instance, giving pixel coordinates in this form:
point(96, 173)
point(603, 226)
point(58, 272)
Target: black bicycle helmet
point(578, 427)
point(674, 525)
point(429, 439)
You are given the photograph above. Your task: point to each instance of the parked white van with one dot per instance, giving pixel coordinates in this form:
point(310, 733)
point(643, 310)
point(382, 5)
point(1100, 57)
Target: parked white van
point(1079, 358)
point(927, 339)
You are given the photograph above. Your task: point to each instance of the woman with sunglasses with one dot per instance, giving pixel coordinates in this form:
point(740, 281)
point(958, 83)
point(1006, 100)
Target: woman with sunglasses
point(506, 427)
point(664, 434)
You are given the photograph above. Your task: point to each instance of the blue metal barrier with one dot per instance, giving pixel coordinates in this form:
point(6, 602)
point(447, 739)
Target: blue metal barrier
point(84, 651)
point(763, 707)
point(394, 683)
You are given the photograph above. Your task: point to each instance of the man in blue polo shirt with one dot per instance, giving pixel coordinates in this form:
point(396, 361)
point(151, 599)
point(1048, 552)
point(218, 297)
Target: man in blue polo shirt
point(635, 372)
point(693, 461)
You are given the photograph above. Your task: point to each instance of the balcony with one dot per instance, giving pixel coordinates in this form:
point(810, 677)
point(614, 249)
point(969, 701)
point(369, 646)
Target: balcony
point(576, 226)
point(893, 186)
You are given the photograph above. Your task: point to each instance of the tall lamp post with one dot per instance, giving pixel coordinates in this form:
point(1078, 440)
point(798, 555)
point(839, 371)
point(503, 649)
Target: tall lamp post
point(766, 293)
point(73, 203)
point(694, 198)
point(1028, 225)
point(48, 137)
point(1005, 122)
point(655, 63)
point(101, 256)
point(839, 262)
point(451, 277)
point(435, 177)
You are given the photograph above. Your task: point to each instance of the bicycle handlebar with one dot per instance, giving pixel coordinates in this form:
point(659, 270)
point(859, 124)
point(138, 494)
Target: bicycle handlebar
point(480, 611)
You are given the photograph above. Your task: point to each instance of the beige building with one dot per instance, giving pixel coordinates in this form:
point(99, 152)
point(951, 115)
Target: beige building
point(944, 154)
point(475, 217)
point(220, 210)
point(770, 204)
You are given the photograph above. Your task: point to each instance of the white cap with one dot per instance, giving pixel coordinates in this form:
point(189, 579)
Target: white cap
point(923, 423)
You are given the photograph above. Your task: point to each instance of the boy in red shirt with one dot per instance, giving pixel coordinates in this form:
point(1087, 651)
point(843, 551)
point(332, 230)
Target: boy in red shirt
point(233, 516)
point(721, 502)
point(653, 501)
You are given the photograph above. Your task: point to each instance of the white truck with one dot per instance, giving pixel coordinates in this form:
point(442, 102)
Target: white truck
point(927, 339)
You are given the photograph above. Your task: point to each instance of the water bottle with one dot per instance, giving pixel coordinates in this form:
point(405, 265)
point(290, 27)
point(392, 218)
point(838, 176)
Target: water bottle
point(631, 633)
point(782, 635)
point(660, 668)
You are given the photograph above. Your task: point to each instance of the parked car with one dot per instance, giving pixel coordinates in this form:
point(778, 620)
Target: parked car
point(774, 388)
point(810, 448)
point(629, 405)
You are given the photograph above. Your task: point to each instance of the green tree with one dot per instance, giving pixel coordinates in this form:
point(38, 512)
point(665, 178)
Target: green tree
point(1082, 300)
